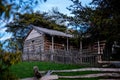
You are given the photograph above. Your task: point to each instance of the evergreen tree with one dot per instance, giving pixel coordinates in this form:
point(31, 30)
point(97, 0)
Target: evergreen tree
point(20, 27)
point(14, 6)
point(102, 18)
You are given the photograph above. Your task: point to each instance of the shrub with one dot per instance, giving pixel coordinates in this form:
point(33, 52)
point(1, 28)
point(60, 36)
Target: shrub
point(6, 60)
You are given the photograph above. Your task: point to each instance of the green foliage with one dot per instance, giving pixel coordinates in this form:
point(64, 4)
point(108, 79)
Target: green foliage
point(6, 60)
point(10, 58)
point(9, 7)
point(1, 50)
point(37, 19)
point(103, 19)
point(12, 45)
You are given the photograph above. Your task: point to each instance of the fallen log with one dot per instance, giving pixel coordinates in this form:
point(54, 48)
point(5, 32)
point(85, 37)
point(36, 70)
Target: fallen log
point(109, 79)
point(93, 75)
point(108, 62)
point(49, 77)
point(90, 69)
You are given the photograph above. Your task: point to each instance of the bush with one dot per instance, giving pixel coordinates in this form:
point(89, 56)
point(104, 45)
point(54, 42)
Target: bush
point(6, 60)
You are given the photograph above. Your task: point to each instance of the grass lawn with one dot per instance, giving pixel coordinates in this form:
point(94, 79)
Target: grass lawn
point(25, 69)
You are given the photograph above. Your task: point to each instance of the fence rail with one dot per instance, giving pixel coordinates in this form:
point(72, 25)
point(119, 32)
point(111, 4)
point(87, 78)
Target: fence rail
point(103, 73)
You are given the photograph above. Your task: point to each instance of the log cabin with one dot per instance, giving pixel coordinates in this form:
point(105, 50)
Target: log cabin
point(41, 39)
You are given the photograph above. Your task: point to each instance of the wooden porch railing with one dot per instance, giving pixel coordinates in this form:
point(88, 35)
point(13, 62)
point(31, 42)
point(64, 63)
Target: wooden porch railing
point(61, 56)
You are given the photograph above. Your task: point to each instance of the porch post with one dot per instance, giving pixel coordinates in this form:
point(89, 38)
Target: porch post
point(67, 43)
point(98, 47)
point(99, 55)
point(81, 46)
point(52, 43)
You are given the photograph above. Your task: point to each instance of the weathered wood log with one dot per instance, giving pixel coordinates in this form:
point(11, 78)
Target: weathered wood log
point(105, 62)
point(49, 77)
point(32, 78)
point(109, 79)
point(93, 75)
point(90, 69)
point(37, 73)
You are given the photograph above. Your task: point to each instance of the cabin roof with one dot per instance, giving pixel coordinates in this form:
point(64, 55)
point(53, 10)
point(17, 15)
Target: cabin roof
point(51, 32)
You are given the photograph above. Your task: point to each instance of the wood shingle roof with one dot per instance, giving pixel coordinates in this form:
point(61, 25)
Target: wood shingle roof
point(51, 32)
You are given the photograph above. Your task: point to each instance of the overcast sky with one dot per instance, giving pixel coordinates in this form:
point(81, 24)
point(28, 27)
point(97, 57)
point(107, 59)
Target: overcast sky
point(46, 7)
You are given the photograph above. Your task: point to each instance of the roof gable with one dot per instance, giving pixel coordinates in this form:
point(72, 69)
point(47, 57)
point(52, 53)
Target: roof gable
point(33, 34)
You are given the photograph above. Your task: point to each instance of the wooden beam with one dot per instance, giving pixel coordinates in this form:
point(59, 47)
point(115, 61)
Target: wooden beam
point(49, 77)
point(117, 75)
point(81, 46)
point(98, 47)
point(67, 43)
point(88, 69)
point(105, 62)
point(52, 43)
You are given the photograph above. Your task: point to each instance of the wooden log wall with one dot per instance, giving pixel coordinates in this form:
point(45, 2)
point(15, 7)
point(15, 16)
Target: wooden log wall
point(34, 45)
point(57, 44)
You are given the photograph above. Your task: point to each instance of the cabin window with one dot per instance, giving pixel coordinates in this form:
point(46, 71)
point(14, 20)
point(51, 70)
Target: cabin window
point(33, 46)
point(33, 41)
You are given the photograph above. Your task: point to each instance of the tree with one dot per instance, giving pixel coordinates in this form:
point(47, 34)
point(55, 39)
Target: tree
point(110, 26)
point(102, 18)
point(9, 8)
point(80, 21)
point(109, 13)
point(20, 27)
point(13, 6)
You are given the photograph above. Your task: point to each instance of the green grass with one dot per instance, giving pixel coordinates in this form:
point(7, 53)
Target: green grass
point(25, 69)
